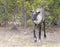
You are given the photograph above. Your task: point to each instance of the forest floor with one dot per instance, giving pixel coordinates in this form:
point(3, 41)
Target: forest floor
point(24, 38)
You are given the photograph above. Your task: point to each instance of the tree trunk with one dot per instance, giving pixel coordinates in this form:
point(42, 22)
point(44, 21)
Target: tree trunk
point(6, 12)
point(25, 16)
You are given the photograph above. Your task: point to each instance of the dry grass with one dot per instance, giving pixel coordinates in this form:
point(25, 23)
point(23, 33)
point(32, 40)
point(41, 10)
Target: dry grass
point(20, 38)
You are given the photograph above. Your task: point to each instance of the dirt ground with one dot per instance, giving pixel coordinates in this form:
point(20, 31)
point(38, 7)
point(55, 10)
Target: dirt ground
point(24, 38)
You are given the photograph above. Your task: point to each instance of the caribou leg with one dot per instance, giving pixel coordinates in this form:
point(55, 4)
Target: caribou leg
point(39, 31)
point(35, 38)
point(44, 30)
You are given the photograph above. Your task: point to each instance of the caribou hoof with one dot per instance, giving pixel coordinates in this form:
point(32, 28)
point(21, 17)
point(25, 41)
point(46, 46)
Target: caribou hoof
point(35, 39)
point(39, 41)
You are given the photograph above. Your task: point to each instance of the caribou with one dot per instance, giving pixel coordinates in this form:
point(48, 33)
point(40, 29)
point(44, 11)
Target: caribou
point(38, 17)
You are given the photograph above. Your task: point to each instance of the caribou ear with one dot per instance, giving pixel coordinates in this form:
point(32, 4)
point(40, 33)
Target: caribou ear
point(31, 11)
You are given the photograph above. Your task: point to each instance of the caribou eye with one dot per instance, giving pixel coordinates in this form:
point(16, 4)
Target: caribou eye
point(39, 12)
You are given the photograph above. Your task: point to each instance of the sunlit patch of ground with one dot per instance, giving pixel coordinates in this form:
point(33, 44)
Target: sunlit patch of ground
point(24, 38)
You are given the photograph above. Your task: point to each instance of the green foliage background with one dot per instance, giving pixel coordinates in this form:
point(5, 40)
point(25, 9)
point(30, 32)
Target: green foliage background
point(21, 9)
